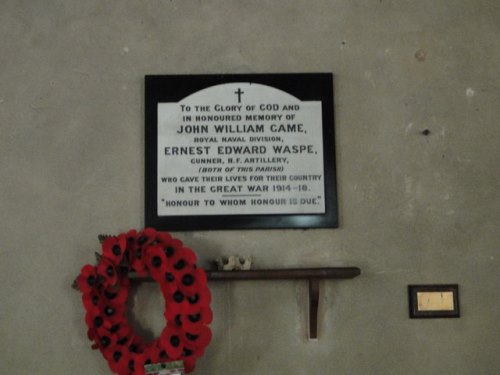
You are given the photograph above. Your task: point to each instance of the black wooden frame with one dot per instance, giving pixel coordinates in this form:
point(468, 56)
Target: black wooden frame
point(173, 88)
point(413, 301)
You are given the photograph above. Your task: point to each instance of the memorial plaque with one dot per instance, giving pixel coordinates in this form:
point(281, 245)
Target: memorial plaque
point(433, 301)
point(240, 151)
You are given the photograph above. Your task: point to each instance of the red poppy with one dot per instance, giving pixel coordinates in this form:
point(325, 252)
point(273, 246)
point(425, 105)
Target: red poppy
point(199, 337)
point(131, 236)
point(107, 272)
point(192, 279)
point(120, 361)
point(113, 248)
point(92, 299)
point(117, 294)
point(168, 284)
point(96, 321)
point(87, 280)
point(192, 308)
point(113, 314)
point(194, 320)
point(176, 303)
point(156, 262)
point(163, 238)
point(198, 299)
point(136, 344)
point(182, 258)
point(119, 331)
point(172, 248)
point(172, 339)
point(146, 237)
point(105, 341)
point(137, 265)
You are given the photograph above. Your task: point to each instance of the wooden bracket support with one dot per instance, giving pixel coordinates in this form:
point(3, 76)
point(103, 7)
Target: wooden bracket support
point(313, 275)
point(313, 307)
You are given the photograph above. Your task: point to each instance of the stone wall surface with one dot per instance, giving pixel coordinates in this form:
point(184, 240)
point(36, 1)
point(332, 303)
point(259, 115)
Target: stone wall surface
point(417, 135)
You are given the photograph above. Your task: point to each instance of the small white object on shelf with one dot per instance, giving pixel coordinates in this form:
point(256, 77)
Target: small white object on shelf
point(234, 263)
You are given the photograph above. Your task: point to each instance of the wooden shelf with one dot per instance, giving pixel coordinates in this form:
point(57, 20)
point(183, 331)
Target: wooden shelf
point(286, 273)
point(313, 275)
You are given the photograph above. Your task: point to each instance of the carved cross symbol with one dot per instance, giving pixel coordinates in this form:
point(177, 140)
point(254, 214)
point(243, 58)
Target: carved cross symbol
point(239, 92)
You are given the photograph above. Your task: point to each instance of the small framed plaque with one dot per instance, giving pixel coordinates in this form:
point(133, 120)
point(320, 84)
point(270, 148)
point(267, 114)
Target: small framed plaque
point(433, 301)
point(240, 151)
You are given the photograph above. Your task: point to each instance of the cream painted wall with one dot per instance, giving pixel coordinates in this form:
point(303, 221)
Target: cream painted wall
point(413, 208)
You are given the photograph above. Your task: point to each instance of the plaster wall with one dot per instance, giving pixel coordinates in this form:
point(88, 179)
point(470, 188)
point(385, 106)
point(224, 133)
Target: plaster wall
point(414, 208)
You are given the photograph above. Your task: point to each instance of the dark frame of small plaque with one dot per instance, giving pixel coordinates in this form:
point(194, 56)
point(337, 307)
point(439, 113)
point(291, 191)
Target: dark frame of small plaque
point(415, 313)
point(304, 86)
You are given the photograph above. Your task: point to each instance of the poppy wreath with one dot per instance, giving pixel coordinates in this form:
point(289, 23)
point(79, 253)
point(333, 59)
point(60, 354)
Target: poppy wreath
point(105, 288)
